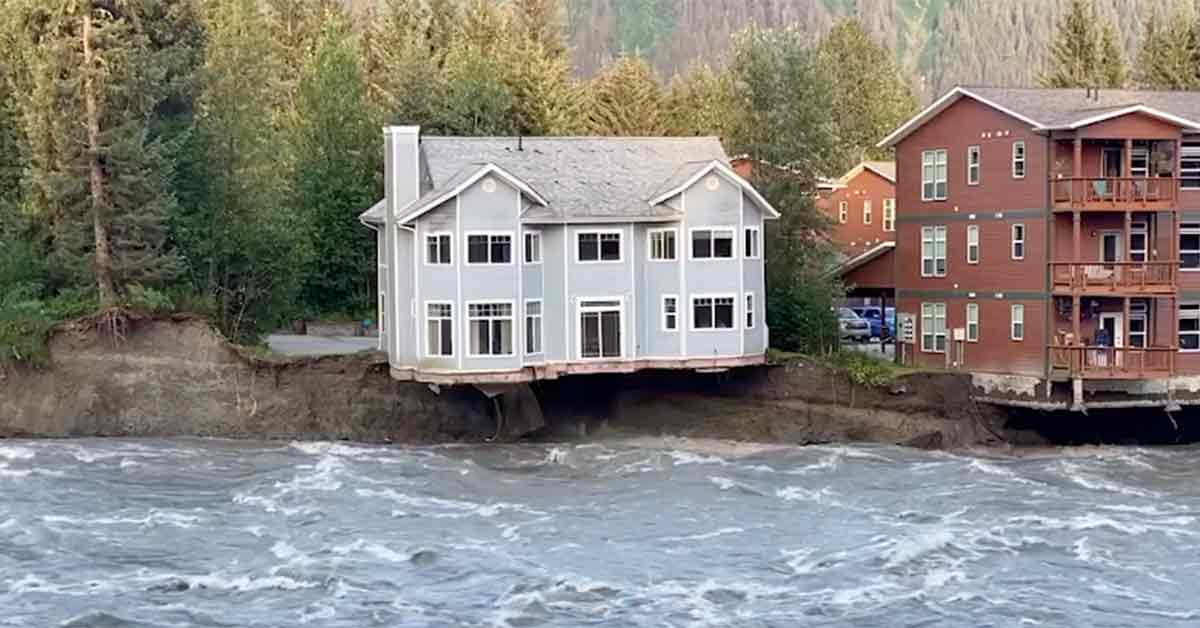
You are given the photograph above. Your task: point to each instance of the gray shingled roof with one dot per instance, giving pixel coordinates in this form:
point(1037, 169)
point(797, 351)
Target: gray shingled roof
point(582, 178)
point(1060, 107)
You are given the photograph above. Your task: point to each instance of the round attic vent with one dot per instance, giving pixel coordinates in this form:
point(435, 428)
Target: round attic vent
point(712, 182)
point(489, 185)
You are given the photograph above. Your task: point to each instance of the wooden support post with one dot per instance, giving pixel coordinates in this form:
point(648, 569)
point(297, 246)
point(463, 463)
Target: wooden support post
point(1076, 340)
point(1078, 188)
point(1127, 172)
point(1120, 351)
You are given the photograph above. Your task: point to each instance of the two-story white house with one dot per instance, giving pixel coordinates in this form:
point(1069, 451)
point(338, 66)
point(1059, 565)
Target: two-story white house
point(509, 259)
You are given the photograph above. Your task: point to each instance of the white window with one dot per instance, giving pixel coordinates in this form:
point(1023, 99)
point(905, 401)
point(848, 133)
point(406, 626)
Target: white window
point(752, 243)
point(1189, 245)
point(750, 311)
point(711, 243)
point(533, 247)
point(972, 322)
point(1189, 326)
point(598, 246)
point(867, 214)
point(1018, 322)
point(439, 325)
point(489, 248)
point(670, 312)
point(973, 164)
point(889, 214)
point(1189, 170)
point(933, 175)
point(600, 329)
point(1018, 241)
point(933, 251)
point(1138, 312)
point(437, 248)
point(712, 313)
point(933, 327)
point(491, 328)
point(533, 326)
point(1018, 160)
point(662, 245)
point(843, 212)
point(972, 244)
point(1139, 162)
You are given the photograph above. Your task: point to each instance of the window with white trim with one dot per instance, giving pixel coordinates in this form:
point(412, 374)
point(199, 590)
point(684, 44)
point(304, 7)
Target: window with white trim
point(437, 248)
point(752, 243)
point(933, 251)
point(889, 214)
point(750, 310)
point(533, 326)
point(933, 327)
point(868, 216)
point(1189, 166)
point(1018, 322)
point(1189, 326)
point(1018, 242)
point(933, 175)
point(973, 165)
point(670, 312)
point(972, 322)
point(662, 245)
point(712, 244)
point(533, 247)
point(491, 329)
point(1138, 317)
point(843, 212)
point(600, 329)
point(1018, 160)
point(972, 244)
point(598, 246)
point(1189, 245)
point(712, 312)
point(439, 325)
point(491, 248)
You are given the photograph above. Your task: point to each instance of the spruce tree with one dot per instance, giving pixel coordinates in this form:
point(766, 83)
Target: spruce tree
point(295, 27)
point(869, 97)
point(1085, 51)
point(700, 102)
point(543, 22)
point(336, 143)
point(99, 171)
point(245, 245)
point(403, 67)
point(626, 99)
point(1169, 51)
point(1113, 72)
point(477, 100)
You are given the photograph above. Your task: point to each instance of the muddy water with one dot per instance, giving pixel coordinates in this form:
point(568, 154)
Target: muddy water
point(215, 533)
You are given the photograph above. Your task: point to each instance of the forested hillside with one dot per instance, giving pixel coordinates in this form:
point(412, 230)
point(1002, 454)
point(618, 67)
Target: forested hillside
point(938, 43)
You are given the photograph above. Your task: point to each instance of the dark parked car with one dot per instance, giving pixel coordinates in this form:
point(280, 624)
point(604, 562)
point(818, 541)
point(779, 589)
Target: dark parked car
point(874, 315)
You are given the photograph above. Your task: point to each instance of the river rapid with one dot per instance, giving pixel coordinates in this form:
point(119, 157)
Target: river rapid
point(110, 533)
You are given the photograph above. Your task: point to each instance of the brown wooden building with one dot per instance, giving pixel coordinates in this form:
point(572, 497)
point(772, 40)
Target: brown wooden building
point(1052, 233)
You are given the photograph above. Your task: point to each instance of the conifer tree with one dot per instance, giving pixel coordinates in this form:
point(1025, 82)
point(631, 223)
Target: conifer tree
point(1113, 72)
point(546, 97)
point(336, 143)
point(626, 99)
point(700, 102)
point(403, 76)
point(543, 22)
point(483, 27)
point(869, 97)
point(1084, 52)
point(244, 244)
point(477, 100)
point(100, 172)
point(1170, 51)
point(295, 27)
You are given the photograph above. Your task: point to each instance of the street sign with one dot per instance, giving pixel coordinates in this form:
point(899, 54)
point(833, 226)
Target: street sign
point(908, 328)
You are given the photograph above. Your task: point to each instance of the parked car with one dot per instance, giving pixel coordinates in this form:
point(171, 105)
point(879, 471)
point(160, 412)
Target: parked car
point(852, 326)
point(874, 315)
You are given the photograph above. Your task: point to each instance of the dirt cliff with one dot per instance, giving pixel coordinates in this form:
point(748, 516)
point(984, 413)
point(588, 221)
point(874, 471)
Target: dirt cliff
point(174, 377)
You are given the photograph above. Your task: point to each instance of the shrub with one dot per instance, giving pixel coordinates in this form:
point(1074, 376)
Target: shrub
point(863, 369)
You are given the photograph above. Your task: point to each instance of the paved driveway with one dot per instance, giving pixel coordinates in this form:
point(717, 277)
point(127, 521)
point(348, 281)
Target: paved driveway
point(309, 346)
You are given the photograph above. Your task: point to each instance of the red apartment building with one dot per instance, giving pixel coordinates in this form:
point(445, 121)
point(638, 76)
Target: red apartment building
point(1053, 234)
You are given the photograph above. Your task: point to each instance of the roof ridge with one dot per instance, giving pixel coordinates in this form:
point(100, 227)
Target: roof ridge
point(567, 138)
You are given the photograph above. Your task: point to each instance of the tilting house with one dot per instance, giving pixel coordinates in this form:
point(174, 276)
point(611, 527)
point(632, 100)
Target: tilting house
point(1054, 236)
point(513, 259)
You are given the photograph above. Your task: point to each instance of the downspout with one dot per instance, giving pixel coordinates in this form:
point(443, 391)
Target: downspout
point(1047, 334)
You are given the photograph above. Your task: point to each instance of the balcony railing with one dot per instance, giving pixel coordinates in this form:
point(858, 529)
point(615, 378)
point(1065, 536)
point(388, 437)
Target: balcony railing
point(1114, 192)
point(1136, 277)
point(1090, 362)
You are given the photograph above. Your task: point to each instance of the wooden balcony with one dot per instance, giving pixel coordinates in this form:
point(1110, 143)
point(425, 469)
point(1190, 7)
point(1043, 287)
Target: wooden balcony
point(1090, 362)
point(1114, 193)
point(1114, 278)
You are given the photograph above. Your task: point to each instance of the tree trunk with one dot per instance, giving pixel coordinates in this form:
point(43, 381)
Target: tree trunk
point(104, 263)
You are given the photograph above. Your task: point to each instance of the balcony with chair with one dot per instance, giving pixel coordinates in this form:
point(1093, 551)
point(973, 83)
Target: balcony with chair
point(1115, 193)
point(1145, 278)
point(1110, 363)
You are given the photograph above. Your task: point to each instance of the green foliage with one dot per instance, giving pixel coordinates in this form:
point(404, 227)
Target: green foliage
point(336, 143)
point(1169, 56)
point(640, 24)
point(701, 102)
point(862, 369)
point(870, 99)
point(626, 99)
point(478, 102)
point(1084, 51)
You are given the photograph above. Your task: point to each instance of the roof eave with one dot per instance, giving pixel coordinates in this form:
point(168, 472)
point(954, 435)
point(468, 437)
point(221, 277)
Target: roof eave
point(759, 199)
point(942, 104)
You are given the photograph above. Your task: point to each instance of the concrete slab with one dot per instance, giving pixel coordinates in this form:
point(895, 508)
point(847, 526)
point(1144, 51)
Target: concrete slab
point(311, 346)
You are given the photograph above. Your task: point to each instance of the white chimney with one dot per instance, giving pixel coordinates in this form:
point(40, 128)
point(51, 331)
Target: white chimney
point(403, 166)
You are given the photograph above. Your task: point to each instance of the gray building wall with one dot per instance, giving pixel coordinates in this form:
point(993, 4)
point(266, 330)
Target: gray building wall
point(599, 281)
point(654, 280)
point(720, 207)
